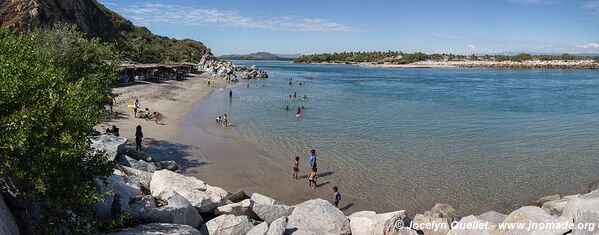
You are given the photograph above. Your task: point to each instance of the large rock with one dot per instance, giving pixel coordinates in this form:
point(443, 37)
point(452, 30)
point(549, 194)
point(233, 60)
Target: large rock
point(589, 222)
point(138, 155)
point(318, 216)
point(238, 196)
point(160, 229)
point(371, 223)
point(228, 225)
point(277, 227)
point(139, 206)
point(168, 165)
point(177, 211)
point(533, 215)
point(445, 211)
point(144, 177)
point(493, 217)
point(261, 199)
point(557, 206)
point(539, 202)
point(203, 197)
point(112, 145)
point(439, 225)
point(576, 205)
point(472, 225)
point(137, 164)
point(7, 221)
point(259, 229)
point(270, 213)
point(240, 208)
point(121, 190)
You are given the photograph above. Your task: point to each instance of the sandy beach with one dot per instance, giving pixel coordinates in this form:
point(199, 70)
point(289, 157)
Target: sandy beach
point(221, 160)
point(173, 99)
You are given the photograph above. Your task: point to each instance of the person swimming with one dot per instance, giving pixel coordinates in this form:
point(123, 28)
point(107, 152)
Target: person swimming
point(294, 94)
point(305, 97)
point(286, 107)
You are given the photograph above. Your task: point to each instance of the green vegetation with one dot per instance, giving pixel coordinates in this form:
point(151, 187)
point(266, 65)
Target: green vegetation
point(406, 58)
point(140, 45)
point(53, 85)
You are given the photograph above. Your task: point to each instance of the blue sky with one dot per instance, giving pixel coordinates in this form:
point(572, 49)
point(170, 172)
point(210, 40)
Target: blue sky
point(315, 26)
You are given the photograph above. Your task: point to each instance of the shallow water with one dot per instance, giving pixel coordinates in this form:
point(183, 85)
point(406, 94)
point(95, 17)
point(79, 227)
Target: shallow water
point(478, 139)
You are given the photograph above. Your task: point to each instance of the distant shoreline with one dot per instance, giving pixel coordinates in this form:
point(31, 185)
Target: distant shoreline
point(531, 64)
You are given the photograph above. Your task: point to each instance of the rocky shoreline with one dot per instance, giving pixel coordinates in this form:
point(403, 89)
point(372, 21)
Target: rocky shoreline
point(163, 201)
point(530, 64)
point(226, 70)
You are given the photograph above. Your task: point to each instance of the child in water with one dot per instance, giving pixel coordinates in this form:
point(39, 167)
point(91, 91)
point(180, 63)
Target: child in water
point(336, 196)
point(296, 167)
point(312, 178)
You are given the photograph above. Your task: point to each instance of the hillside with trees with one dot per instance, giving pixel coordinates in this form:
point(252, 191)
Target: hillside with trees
point(95, 20)
point(398, 57)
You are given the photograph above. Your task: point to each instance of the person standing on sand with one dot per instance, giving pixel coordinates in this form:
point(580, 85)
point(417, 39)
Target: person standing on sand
point(313, 158)
point(138, 138)
point(111, 102)
point(135, 107)
point(296, 167)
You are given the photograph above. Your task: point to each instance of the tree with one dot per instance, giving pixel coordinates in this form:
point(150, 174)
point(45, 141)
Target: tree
point(53, 84)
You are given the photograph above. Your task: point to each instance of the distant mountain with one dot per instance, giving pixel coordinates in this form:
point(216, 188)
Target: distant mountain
point(260, 56)
point(94, 19)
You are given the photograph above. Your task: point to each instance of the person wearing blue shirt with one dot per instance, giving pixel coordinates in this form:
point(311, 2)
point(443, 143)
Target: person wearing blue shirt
point(313, 158)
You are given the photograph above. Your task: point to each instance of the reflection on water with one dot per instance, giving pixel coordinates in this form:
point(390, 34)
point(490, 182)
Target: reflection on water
point(478, 139)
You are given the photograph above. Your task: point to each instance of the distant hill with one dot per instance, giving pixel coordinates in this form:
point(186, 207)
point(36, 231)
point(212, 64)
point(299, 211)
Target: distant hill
point(259, 56)
point(135, 43)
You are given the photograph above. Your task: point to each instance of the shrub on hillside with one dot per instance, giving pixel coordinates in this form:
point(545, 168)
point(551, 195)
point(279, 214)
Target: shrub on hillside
point(53, 84)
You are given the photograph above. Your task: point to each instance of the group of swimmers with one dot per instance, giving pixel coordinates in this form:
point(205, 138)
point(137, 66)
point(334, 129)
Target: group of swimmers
point(312, 177)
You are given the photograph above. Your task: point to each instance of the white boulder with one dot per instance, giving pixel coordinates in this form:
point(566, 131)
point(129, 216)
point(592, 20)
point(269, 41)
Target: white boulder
point(261, 199)
point(144, 177)
point(493, 217)
point(533, 215)
point(369, 222)
point(259, 229)
point(112, 145)
point(318, 216)
point(203, 197)
point(160, 229)
point(277, 227)
point(177, 211)
point(137, 164)
point(228, 225)
point(121, 190)
point(270, 213)
point(472, 225)
point(240, 208)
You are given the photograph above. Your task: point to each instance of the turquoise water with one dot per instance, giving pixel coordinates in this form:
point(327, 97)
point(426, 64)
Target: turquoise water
point(479, 139)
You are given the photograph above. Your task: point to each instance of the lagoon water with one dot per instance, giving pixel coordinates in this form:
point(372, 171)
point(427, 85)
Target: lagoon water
point(478, 139)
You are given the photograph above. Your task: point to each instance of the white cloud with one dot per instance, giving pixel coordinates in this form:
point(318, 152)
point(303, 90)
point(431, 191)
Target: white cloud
point(589, 46)
point(471, 47)
point(168, 14)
